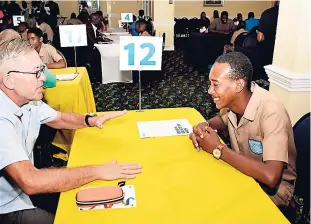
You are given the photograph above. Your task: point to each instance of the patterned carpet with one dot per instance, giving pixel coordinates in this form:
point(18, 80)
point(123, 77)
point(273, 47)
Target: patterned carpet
point(181, 87)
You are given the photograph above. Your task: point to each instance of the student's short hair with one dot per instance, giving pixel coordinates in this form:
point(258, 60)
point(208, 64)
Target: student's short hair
point(241, 66)
point(251, 15)
point(224, 13)
point(141, 22)
point(36, 31)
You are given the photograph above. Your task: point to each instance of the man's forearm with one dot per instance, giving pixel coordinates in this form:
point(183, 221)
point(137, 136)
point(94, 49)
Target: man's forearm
point(59, 180)
point(70, 121)
point(255, 169)
point(59, 64)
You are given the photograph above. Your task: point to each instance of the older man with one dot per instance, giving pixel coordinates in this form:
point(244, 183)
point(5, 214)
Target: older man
point(21, 114)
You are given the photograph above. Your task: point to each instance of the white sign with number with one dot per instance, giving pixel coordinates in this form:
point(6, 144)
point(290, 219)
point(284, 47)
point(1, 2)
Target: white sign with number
point(72, 35)
point(127, 17)
point(140, 53)
point(18, 19)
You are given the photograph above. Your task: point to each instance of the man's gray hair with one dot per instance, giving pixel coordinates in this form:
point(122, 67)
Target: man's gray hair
point(14, 48)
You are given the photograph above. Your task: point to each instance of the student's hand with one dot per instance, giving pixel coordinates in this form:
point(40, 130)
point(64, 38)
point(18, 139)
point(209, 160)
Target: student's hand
point(98, 121)
point(198, 129)
point(209, 141)
point(114, 170)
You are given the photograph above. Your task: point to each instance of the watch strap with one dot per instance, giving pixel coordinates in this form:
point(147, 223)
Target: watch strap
point(86, 120)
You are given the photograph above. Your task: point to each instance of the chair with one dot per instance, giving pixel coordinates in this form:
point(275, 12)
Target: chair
point(302, 187)
point(250, 42)
point(61, 54)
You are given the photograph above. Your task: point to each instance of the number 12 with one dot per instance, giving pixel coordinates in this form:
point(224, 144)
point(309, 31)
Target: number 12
point(146, 60)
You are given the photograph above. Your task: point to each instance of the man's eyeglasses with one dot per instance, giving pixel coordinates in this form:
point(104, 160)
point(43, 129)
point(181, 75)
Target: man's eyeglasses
point(37, 73)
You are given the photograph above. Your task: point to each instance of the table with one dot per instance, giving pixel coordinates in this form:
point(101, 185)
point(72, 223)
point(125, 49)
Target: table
point(204, 48)
point(70, 96)
point(178, 185)
point(110, 56)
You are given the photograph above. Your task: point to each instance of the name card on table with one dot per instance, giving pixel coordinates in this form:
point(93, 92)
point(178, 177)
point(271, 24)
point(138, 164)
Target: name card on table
point(18, 19)
point(126, 17)
point(72, 35)
point(140, 53)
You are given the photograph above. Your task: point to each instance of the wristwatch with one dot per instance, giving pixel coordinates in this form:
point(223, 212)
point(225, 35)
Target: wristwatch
point(218, 151)
point(87, 116)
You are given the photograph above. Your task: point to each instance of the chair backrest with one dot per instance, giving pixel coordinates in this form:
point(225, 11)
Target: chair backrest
point(250, 42)
point(302, 142)
point(61, 54)
point(240, 39)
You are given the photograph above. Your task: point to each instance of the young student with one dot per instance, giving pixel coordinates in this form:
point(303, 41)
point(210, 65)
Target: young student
point(261, 134)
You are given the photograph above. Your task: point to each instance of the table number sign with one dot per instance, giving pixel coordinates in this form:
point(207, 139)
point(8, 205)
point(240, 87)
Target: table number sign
point(126, 17)
point(73, 35)
point(140, 53)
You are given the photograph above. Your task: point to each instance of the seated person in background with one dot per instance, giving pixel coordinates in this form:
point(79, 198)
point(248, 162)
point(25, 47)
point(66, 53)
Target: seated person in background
point(22, 30)
point(102, 26)
point(222, 24)
point(8, 34)
point(141, 28)
point(73, 20)
point(251, 22)
point(45, 27)
point(132, 30)
point(215, 15)
point(259, 126)
point(21, 115)
point(204, 21)
point(238, 19)
point(47, 52)
point(240, 29)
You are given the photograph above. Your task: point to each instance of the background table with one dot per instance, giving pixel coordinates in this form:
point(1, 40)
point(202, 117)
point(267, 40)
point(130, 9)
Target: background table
point(110, 56)
point(177, 185)
point(70, 96)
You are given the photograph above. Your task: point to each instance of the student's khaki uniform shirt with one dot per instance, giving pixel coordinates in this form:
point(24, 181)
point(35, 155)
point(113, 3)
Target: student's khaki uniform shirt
point(265, 133)
point(48, 54)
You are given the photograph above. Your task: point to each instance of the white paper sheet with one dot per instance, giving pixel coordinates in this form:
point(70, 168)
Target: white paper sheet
point(66, 77)
point(150, 129)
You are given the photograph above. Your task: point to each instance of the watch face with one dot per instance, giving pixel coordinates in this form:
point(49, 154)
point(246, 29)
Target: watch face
point(216, 153)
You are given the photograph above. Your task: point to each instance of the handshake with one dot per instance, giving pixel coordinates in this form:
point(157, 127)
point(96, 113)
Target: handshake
point(204, 137)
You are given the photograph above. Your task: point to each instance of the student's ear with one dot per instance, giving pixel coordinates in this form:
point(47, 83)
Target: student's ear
point(240, 85)
point(41, 39)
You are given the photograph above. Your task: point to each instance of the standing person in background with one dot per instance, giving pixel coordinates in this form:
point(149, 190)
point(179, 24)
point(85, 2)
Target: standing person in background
point(14, 9)
point(215, 15)
point(251, 22)
point(267, 32)
point(45, 27)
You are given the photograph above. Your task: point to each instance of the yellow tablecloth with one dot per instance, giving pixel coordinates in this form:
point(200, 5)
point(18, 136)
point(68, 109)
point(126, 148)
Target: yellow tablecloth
point(178, 185)
point(70, 96)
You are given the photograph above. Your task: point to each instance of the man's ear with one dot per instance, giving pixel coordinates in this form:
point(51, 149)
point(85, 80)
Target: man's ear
point(8, 81)
point(41, 39)
point(240, 85)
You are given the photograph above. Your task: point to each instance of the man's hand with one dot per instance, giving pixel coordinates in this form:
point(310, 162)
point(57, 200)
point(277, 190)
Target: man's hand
point(98, 121)
point(114, 170)
point(209, 141)
point(198, 129)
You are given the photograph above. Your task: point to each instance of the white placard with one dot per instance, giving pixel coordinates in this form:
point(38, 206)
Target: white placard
point(120, 24)
point(72, 35)
point(127, 17)
point(165, 128)
point(140, 53)
point(18, 19)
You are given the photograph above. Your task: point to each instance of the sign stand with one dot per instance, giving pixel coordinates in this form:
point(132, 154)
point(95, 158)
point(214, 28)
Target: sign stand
point(76, 60)
point(139, 89)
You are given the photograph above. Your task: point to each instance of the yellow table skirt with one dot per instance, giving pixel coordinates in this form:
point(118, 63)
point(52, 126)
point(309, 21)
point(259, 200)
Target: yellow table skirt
point(70, 96)
point(178, 185)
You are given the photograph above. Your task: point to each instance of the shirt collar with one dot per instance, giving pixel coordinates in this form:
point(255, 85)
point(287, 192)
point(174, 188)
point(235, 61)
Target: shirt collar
point(11, 106)
point(254, 102)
